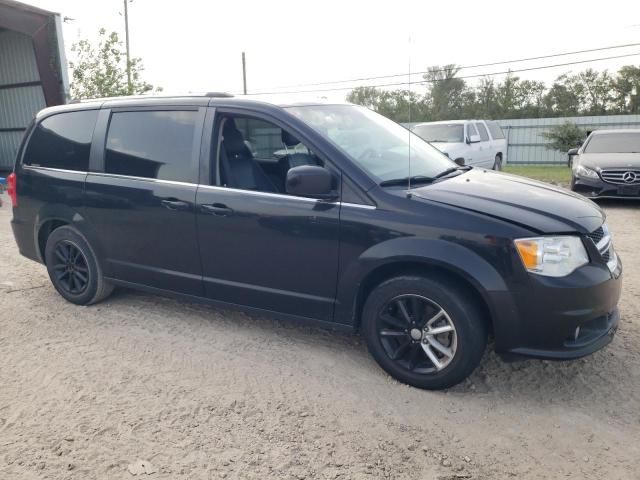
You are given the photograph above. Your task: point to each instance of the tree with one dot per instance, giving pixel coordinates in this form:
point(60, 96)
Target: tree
point(447, 96)
point(101, 70)
point(564, 137)
point(366, 96)
point(627, 90)
point(398, 105)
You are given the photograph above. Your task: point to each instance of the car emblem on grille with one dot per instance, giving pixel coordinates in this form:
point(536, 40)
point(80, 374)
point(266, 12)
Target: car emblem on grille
point(629, 177)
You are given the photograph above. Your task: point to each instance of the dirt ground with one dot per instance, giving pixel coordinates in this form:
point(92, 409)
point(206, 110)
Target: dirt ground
point(142, 383)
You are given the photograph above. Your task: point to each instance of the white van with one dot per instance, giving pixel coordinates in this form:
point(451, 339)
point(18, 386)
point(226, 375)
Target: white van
point(479, 143)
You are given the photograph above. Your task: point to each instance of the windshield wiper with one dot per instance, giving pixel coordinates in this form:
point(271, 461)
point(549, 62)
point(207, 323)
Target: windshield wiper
point(451, 170)
point(422, 178)
point(406, 180)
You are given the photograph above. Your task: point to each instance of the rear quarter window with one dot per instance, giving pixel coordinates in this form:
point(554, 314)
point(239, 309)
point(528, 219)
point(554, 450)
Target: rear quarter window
point(62, 141)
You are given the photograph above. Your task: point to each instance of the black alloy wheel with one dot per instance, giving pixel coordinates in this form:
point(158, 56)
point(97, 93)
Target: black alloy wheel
point(428, 332)
point(417, 333)
point(71, 269)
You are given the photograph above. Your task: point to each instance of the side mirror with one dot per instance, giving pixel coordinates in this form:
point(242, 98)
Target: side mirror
point(473, 139)
point(311, 181)
point(459, 161)
point(573, 151)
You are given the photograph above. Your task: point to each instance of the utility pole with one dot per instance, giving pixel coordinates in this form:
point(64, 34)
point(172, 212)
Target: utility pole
point(244, 74)
point(126, 33)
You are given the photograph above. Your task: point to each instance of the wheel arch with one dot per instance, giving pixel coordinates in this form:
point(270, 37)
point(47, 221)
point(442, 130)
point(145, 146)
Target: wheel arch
point(44, 230)
point(54, 216)
point(426, 257)
point(424, 268)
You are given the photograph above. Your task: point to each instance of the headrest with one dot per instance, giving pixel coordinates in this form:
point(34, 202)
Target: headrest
point(288, 139)
point(233, 139)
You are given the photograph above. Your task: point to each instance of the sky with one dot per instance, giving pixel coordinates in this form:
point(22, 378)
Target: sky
point(195, 46)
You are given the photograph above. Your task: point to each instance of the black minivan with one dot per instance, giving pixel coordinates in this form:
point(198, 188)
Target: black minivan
point(323, 212)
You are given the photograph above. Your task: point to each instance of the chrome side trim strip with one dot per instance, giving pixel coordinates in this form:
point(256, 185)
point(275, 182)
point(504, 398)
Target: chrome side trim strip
point(50, 169)
point(144, 179)
point(358, 205)
point(259, 194)
point(206, 187)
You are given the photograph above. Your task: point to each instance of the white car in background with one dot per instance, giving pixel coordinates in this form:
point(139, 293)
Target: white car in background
point(479, 143)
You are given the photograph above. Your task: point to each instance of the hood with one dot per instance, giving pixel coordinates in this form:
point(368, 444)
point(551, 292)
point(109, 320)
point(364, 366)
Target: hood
point(535, 205)
point(599, 161)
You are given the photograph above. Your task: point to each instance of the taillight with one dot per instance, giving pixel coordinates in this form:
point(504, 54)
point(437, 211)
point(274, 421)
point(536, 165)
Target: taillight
point(12, 183)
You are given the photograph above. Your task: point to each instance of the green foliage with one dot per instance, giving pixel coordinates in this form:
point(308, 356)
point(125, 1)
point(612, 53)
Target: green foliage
point(556, 174)
point(101, 70)
point(564, 137)
point(445, 96)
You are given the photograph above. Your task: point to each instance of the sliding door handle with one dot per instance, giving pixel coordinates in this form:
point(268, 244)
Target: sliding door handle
point(174, 204)
point(217, 209)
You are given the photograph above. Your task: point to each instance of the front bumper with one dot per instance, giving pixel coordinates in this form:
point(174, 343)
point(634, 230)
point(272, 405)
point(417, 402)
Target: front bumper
point(598, 188)
point(564, 318)
point(593, 336)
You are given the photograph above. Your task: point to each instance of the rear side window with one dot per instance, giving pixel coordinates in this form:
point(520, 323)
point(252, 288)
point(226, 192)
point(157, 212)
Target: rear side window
point(152, 144)
point(484, 136)
point(495, 130)
point(62, 141)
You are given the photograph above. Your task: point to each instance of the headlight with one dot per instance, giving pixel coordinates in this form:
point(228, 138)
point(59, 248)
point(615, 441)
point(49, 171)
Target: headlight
point(586, 172)
point(552, 256)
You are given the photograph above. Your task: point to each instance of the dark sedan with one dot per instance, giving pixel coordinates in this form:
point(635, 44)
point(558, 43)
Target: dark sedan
point(608, 165)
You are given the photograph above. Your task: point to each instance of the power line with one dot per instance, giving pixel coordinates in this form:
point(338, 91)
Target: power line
point(396, 84)
point(465, 67)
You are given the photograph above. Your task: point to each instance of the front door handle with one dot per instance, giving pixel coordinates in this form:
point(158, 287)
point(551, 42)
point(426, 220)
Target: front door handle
point(174, 204)
point(217, 209)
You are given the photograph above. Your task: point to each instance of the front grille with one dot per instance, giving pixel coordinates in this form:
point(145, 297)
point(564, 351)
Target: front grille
point(621, 176)
point(597, 235)
point(602, 240)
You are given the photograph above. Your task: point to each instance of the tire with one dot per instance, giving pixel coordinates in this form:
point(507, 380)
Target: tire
point(74, 269)
point(497, 163)
point(385, 337)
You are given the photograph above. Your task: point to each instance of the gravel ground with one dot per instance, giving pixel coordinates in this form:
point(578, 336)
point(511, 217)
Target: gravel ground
point(141, 384)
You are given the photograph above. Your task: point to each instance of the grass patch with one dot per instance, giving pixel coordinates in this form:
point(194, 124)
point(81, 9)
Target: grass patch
point(557, 174)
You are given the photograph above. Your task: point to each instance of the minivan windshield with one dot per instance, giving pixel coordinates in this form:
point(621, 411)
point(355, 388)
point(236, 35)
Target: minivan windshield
point(378, 145)
point(618, 142)
point(452, 133)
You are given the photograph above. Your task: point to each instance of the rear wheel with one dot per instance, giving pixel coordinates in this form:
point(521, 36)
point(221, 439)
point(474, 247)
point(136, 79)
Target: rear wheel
point(424, 332)
point(497, 163)
point(73, 268)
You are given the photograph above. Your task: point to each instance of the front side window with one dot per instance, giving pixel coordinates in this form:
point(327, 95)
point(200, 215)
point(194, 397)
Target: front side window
point(62, 141)
point(152, 144)
point(471, 130)
point(378, 145)
point(484, 136)
point(495, 130)
point(441, 133)
point(254, 154)
point(623, 142)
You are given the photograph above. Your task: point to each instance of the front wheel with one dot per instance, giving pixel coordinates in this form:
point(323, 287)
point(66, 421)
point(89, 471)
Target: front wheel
point(424, 332)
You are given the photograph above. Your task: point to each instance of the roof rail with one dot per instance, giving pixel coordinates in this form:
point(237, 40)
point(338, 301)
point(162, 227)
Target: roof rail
point(218, 95)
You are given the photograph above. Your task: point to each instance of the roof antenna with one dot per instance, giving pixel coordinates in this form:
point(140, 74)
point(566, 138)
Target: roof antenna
point(410, 119)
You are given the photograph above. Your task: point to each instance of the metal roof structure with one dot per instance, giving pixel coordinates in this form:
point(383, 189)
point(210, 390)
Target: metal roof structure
point(33, 70)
